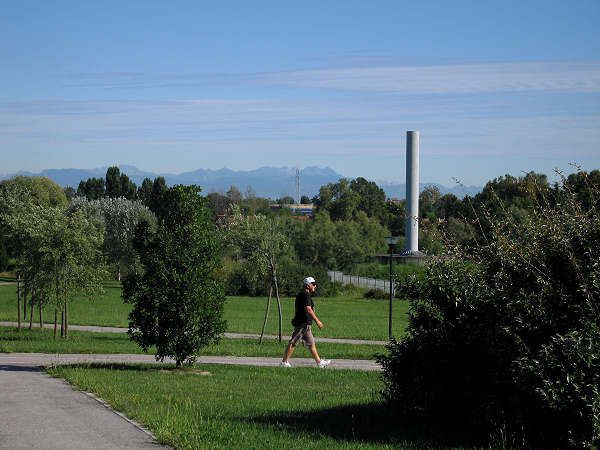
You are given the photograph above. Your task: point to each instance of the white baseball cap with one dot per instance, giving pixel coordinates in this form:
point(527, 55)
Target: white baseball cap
point(309, 280)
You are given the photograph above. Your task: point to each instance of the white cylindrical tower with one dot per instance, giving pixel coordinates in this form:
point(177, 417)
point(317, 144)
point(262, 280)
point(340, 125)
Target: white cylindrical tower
point(412, 192)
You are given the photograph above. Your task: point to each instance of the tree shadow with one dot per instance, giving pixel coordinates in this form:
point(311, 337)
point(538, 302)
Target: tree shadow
point(131, 367)
point(15, 368)
point(371, 423)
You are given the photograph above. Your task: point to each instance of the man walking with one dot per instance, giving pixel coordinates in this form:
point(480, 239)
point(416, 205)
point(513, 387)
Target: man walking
point(302, 321)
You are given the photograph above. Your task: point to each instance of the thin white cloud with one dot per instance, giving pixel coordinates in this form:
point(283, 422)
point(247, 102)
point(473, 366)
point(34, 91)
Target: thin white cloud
point(573, 77)
point(500, 77)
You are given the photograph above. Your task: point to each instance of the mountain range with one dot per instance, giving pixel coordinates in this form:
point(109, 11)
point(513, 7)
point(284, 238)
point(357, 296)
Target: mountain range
point(268, 182)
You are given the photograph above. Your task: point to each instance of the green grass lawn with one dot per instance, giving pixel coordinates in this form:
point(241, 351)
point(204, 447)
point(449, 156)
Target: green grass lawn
point(254, 407)
point(42, 341)
point(344, 317)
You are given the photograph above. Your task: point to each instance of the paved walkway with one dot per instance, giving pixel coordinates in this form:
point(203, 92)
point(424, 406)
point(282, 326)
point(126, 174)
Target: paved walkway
point(96, 329)
point(41, 412)
point(46, 359)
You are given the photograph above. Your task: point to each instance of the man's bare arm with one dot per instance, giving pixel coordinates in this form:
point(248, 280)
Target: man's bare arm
point(312, 314)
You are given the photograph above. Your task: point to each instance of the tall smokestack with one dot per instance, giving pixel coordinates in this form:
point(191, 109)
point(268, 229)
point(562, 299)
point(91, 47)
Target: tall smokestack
point(412, 193)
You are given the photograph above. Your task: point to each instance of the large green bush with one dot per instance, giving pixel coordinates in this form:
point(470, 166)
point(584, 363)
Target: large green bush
point(177, 303)
point(505, 340)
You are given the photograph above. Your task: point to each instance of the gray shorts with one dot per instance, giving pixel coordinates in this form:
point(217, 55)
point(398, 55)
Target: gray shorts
point(304, 333)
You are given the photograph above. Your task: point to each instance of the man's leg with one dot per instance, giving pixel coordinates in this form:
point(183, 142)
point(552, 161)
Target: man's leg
point(314, 353)
point(288, 352)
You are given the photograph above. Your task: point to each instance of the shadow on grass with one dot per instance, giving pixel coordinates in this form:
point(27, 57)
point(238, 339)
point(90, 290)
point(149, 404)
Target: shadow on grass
point(374, 423)
point(11, 368)
point(131, 367)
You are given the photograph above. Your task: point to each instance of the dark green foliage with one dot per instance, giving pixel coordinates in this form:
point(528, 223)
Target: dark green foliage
point(156, 202)
point(92, 189)
point(119, 185)
point(144, 191)
point(246, 279)
point(505, 339)
point(113, 184)
point(285, 201)
point(69, 192)
point(178, 305)
point(3, 253)
point(342, 200)
point(377, 293)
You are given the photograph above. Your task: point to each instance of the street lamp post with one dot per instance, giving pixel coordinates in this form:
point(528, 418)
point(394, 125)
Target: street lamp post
point(391, 241)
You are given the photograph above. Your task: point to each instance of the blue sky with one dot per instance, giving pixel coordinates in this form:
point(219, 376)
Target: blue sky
point(494, 87)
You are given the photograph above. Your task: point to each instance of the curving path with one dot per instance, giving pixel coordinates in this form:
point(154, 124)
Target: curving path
point(41, 412)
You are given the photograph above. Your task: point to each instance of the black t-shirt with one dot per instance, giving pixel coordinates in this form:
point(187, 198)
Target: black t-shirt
point(303, 299)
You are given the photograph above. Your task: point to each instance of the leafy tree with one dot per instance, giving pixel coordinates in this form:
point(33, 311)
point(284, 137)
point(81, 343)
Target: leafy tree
point(92, 189)
point(18, 195)
point(128, 188)
point(319, 246)
point(341, 244)
point(345, 198)
point(59, 256)
point(428, 197)
point(396, 216)
point(305, 200)
point(42, 190)
point(70, 193)
point(338, 200)
point(371, 198)
point(507, 334)
point(120, 217)
point(144, 192)
point(217, 203)
point(157, 202)
point(262, 240)
point(448, 206)
point(177, 303)
point(113, 182)
point(582, 184)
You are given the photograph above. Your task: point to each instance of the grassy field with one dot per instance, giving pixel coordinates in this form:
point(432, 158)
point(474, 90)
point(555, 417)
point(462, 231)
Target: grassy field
point(255, 407)
point(41, 341)
point(344, 317)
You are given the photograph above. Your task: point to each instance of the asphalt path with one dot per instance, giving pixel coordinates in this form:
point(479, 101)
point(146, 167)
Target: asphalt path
point(38, 411)
point(42, 412)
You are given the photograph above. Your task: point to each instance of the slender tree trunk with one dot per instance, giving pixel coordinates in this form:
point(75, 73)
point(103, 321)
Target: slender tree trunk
point(278, 307)
point(274, 274)
point(62, 322)
point(66, 320)
point(55, 322)
point(19, 302)
point(56, 308)
point(40, 309)
point(25, 305)
point(262, 333)
point(31, 313)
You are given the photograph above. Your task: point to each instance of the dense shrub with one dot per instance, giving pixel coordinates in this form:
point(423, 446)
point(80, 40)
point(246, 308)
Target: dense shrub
point(376, 293)
point(506, 340)
point(245, 279)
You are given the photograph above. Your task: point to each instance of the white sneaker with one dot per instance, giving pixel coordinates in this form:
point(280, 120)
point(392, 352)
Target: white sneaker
point(324, 363)
point(284, 364)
